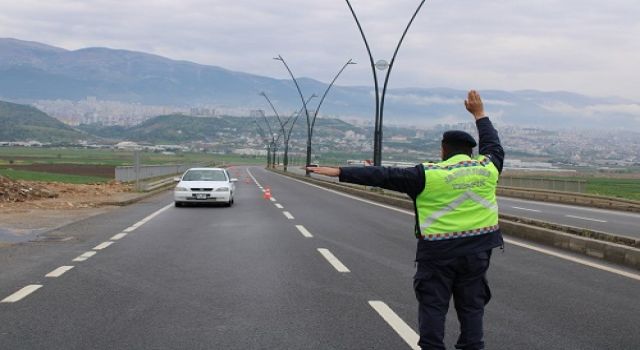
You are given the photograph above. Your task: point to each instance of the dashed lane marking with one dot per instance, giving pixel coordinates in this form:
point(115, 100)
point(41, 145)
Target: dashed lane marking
point(402, 328)
point(273, 199)
point(288, 215)
point(21, 294)
point(147, 219)
point(119, 236)
point(85, 256)
point(279, 206)
point(304, 231)
point(527, 209)
point(583, 218)
point(59, 271)
point(337, 264)
point(102, 245)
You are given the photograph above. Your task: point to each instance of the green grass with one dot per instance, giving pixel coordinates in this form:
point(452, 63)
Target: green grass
point(50, 177)
point(621, 188)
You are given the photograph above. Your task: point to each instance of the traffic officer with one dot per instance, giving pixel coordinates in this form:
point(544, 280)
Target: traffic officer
point(456, 224)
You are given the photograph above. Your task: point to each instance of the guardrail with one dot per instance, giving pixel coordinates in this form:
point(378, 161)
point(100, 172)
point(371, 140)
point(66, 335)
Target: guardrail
point(128, 173)
point(565, 185)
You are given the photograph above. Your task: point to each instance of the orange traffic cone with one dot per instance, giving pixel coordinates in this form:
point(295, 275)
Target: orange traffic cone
point(267, 193)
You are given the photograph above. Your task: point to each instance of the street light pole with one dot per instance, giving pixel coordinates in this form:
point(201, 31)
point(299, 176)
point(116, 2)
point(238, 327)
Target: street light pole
point(382, 65)
point(311, 121)
point(287, 135)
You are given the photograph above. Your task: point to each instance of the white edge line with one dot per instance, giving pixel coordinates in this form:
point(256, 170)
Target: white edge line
point(59, 271)
point(523, 245)
point(21, 294)
point(304, 231)
point(288, 215)
point(404, 331)
point(103, 245)
point(339, 266)
point(574, 259)
point(119, 236)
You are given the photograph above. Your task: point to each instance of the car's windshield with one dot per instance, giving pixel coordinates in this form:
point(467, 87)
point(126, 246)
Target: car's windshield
point(204, 175)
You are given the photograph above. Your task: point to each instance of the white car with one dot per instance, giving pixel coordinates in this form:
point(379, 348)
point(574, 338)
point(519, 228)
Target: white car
point(205, 185)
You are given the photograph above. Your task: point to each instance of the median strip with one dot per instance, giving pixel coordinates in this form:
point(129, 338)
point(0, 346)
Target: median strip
point(21, 294)
point(339, 266)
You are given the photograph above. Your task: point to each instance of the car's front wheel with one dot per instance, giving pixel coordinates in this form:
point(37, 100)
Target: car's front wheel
point(230, 202)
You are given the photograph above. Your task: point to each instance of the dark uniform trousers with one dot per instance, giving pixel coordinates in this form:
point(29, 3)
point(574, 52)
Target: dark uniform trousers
point(435, 282)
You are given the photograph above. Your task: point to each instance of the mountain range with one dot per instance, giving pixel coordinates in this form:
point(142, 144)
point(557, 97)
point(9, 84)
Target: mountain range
point(31, 71)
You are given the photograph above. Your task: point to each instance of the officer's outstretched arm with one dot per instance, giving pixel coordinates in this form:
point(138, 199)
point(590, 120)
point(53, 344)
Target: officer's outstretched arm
point(324, 170)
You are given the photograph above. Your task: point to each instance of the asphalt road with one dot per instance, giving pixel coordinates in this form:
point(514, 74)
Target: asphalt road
point(610, 221)
point(249, 277)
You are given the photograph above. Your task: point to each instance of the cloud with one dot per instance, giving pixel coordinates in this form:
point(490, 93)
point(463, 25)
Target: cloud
point(583, 46)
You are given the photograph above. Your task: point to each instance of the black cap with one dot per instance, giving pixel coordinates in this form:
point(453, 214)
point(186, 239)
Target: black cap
point(458, 137)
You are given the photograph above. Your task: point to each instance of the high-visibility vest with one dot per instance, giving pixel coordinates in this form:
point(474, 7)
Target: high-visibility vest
point(459, 199)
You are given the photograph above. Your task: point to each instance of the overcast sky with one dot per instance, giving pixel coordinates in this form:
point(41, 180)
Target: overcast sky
point(585, 46)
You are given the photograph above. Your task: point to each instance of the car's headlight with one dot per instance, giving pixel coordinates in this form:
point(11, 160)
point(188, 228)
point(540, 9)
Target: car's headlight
point(181, 189)
point(222, 189)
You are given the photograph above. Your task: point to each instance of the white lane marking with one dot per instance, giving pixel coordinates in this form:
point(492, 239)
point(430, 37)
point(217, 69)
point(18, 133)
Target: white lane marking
point(527, 209)
point(273, 199)
point(59, 271)
point(574, 259)
point(279, 206)
point(147, 219)
point(404, 331)
point(21, 294)
point(119, 236)
point(288, 215)
point(85, 256)
point(253, 177)
point(333, 260)
point(304, 231)
point(583, 218)
point(102, 245)
point(523, 245)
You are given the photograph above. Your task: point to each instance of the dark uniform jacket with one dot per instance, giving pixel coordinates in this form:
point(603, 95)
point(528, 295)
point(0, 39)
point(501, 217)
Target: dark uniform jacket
point(412, 182)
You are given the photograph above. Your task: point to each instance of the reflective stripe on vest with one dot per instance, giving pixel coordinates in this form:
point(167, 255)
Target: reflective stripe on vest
point(459, 199)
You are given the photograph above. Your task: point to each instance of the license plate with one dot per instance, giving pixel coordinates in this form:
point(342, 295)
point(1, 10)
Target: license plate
point(201, 196)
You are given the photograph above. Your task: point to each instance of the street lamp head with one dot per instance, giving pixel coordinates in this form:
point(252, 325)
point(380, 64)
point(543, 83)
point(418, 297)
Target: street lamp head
point(382, 65)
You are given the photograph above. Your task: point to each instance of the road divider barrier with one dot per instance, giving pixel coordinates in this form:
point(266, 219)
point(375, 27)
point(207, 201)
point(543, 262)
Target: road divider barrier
point(610, 247)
